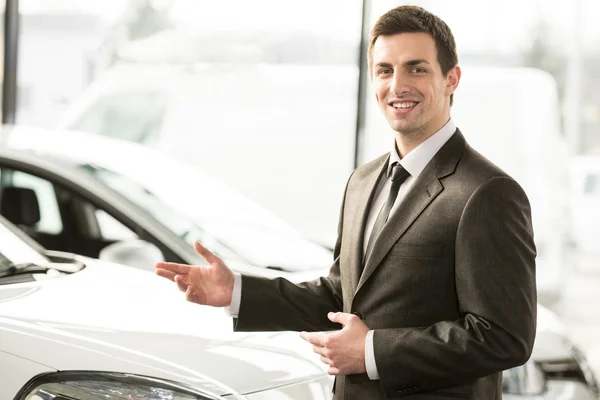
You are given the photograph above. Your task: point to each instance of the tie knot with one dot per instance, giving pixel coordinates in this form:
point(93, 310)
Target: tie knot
point(399, 174)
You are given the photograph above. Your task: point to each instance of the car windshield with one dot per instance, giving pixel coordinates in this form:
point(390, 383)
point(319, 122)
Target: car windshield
point(14, 250)
point(232, 230)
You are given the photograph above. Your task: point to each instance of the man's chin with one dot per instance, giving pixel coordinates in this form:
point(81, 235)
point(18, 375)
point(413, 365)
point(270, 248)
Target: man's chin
point(403, 128)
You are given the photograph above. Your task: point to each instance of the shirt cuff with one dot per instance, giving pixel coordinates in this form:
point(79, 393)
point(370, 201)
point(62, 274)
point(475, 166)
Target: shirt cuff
point(234, 308)
point(370, 357)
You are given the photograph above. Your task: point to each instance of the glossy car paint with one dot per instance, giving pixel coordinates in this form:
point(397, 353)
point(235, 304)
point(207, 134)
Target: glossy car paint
point(110, 317)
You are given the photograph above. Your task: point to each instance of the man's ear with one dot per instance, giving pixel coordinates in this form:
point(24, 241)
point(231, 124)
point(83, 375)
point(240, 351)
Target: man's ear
point(452, 80)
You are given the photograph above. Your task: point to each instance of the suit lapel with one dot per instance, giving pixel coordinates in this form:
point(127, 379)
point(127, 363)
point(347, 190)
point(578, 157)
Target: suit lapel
point(366, 192)
point(426, 188)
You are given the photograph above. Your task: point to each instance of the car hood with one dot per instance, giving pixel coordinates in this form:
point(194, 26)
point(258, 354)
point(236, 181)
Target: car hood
point(109, 317)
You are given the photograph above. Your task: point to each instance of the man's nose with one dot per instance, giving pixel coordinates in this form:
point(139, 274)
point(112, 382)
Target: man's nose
point(399, 85)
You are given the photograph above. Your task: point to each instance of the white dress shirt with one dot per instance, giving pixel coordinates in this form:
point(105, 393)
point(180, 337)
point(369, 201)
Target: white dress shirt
point(414, 162)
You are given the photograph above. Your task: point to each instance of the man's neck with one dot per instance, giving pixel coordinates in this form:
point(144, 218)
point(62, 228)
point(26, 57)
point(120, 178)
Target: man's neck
point(407, 142)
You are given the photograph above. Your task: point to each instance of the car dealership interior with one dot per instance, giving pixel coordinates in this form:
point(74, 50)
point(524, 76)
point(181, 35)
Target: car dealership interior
point(234, 134)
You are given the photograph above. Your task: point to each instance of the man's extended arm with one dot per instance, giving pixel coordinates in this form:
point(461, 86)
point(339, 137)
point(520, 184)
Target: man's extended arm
point(278, 304)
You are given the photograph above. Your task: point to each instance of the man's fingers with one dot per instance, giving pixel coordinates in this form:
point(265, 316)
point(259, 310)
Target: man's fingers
point(182, 269)
point(189, 295)
point(166, 274)
point(205, 253)
point(333, 371)
point(325, 360)
point(317, 338)
point(320, 350)
point(181, 283)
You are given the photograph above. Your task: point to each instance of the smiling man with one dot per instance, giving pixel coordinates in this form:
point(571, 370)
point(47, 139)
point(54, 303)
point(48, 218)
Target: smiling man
point(433, 283)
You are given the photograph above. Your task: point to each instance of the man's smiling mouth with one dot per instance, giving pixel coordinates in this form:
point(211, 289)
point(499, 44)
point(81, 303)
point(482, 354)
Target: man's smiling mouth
point(404, 105)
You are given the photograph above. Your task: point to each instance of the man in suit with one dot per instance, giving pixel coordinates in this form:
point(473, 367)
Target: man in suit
point(433, 281)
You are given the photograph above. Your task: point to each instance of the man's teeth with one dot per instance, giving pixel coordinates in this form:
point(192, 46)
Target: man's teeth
point(404, 105)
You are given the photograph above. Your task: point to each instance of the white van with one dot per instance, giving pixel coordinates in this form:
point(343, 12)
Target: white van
point(585, 205)
point(512, 116)
point(289, 126)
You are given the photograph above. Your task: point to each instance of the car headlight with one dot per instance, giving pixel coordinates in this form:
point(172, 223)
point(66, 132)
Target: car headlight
point(527, 380)
point(107, 386)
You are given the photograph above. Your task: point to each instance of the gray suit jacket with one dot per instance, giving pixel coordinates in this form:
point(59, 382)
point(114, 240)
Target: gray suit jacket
point(449, 288)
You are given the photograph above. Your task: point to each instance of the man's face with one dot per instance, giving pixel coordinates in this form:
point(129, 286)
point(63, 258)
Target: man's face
point(409, 85)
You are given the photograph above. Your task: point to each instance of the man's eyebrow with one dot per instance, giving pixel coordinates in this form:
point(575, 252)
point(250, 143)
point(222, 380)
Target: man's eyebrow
point(409, 63)
point(412, 63)
point(383, 64)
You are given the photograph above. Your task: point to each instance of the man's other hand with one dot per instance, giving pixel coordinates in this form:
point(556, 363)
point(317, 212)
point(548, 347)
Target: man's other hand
point(343, 350)
point(210, 284)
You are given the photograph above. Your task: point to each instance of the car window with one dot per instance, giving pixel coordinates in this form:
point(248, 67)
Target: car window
point(179, 224)
point(112, 229)
point(236, 237)
point(68, 221)
point(50, 220)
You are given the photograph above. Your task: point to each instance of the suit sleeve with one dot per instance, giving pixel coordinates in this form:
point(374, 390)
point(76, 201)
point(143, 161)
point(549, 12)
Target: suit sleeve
point(496, 293)
point(277, 304)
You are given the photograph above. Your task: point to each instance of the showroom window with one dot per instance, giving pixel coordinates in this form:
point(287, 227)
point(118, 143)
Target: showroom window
point(275, 92)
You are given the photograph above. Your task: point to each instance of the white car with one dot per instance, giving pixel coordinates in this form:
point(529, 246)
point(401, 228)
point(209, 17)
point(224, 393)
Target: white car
point(76, 328)
point(104, 198)
point(80, 329)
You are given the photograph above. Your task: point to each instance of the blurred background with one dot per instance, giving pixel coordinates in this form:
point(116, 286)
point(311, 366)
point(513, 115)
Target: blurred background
point(272, 99)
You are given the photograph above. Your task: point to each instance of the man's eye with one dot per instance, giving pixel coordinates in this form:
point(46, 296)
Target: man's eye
point(417, 70)
point(385, 71)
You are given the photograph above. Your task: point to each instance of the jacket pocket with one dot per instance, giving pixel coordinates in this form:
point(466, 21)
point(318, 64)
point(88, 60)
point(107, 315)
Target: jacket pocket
point(417, 250)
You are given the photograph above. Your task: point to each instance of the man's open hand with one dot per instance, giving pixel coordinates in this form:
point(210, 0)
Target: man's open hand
point(210, 284)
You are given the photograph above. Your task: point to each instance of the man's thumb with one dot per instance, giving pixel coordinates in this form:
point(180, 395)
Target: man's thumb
point(199, 248)
point(338, 317)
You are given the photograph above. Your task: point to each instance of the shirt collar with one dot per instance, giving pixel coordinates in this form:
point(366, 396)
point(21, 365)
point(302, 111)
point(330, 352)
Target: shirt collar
point(416, 160)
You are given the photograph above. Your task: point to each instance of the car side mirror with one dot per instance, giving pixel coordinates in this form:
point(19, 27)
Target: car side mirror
point(134, 253)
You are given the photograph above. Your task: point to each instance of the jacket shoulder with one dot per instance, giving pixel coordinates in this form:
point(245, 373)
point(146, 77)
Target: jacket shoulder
point(475, 167)
point(370, 167)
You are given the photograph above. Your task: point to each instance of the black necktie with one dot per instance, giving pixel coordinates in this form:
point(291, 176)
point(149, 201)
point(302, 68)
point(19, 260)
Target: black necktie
point(399, 175)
